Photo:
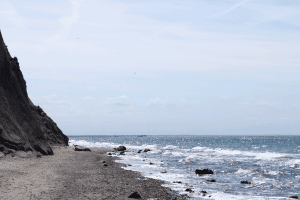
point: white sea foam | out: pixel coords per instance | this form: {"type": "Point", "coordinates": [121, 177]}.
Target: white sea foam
{"type": "Point", "coordinates": [226, 196]}
{"type": "Point", "coordinates": [274, 173]}
{"type": "Point", "coordinates": [167, 152]}
{"type": "Point", "coordinates": [173, 153]}
{"type": "Point", "coordinates": [261, 180]}
{"type": "Point", "coordinates": [293, 162]}
{"type": "Point", "coordinates": [92, 144]}
{"type": "Point", "coordinates": [242, 154]}
{"type": "Point", "coordinates": [170, 147]}
{"type": "Point", "coordinates": [199, 148]}
{"type": "Point", "coordinates": [177, 154]}
{"type": "Point", "coordinates": [243, 172]}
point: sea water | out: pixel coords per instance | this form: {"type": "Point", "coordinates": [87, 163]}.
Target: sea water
{"type": "Point", "coordinates": [270, 163]}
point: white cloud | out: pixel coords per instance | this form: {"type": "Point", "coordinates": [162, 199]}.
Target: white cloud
{"type": "Point", "coordinates": [231, 9]}
{"type": "Point", "coordinates": [252, 118]}
{"type": "Point", "coordinates": [266, 103]}
{"type": "Point", "coordinates": [51, 96]}
{"type": "Point", "coordinates": [284, 118]}
{"type": "Point", "coordinates": [120, 97]}
{"type": "Point", "coordinates": [88, 98]}
{"type": "Point", "coordinates": [170, 102]}
{"type": "Point", "coordinates": [155, 101]}
{"type": "Point", "coordinates": [246, 103]}
{"type": "Point", "coordinates": [58, 107]}
{"type": "Point", "coordinates": [112, 29]}
{"type": "Point", "coordinates": [48, 8]}
{"type": "Point", "coordinates": [67, 23]}
{"type": "Point", "coordinates": [8, 14]}
{"type": "Point", "coordinates": [158, 102]}
{"type": "Point", "coordinates": [226, 97]}
{"type": "Point", "coordinates": [274, 12]}
{"type": "Point", "coordinates": [119, 101]}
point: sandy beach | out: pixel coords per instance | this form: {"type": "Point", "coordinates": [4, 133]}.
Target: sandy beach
{"type": "Point", "coordinates": [70, 174]}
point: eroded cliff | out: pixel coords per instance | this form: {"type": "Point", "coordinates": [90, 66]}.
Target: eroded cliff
{"type": "Point", "coordinates": [23, 126]}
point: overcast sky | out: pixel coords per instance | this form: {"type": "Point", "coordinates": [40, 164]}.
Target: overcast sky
{"type": "Point", "coordinates": [160, 67]}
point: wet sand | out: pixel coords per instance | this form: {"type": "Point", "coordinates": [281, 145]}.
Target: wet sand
{"type": "Point", "coordinates": [70, 174]}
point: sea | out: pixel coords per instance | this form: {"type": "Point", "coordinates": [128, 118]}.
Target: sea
{"type": "Point", "coordinates": [270, 163]}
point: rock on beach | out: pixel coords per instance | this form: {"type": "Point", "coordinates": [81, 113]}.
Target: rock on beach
{"type": "Point", "coordinates": [211, 180]}
{"type": "Point", "coordinates": [293, 197]}
{"type": "Point", "coordinates": [245, 182]}
{"type": "Point", "coordinates": [135, 195]}
{"type": "Point", "coordinates": [120, 148]}
{"type": "Point", "coordinates": [203, 171]}
{"type": "Point", "coordinates": [81, 148]}
{"type": "Point", "coordinates": [189, 190]}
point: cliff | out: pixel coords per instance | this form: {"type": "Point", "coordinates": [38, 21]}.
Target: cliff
{"type": "Point", "coordinates": [23, 126]}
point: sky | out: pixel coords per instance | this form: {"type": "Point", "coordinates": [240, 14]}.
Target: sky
{"type": "Point", "coordinates": [197, 67]}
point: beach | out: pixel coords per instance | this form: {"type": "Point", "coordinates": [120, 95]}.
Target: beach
{"type": "Point", "coordinates": [70, 174]}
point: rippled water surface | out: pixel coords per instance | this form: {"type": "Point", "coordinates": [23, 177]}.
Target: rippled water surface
{"type": "Point", "coordinates": [270, 163]}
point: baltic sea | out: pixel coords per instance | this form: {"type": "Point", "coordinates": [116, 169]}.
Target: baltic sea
{"type": "Point", "coordinates": [270, 163]}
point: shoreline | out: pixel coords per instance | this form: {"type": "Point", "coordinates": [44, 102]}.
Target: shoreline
{"type": "Point", "coordinates": [70, 174]}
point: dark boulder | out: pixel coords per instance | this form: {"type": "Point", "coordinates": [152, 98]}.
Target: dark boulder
{"type": "Point", "coordinates": [122, 153]}
{"type": "Point", "coordinates": [293, 197]}
{"type": "Point", "coordinates": [203, 191]}
{"type": "Point", "coordinates": [203, 171]}
{"type": "Point", "coordinates": [211, 180]}
{"type": "Point", "coordinates": [135, 195]}
{"type": "Point", "coordinates": [104, 165]}
{"type": "Point", "coordinates": [23, 126]}
{"type": "Point", "coordinates": [189, 190]}
{"type": "Point", "coordinates": [121, 148]}
{"type": "Point", "coordinates": [245, 182]}
{"type": "Point", "coordinates": [146, 150]}
{"type": "Point", "coordinates": [81, 148]}
{"type": "Point", "coordinates": [139, 151]}
{"type": "Point", "coordinates": [177, 182]}
{"type": "Point", "coordinates": [151, 163]}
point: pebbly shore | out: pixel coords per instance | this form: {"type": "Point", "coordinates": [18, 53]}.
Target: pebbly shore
{"type": "Point", "coordinates": [70, 174]}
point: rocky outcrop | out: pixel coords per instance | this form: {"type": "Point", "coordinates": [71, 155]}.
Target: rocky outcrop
{"type": "Point", "coordinates": [23, 126]}
{"type": "Point", "coordinates": [189, 190]}
{"type": "Point", "coordinates": [245, 182]}
{"type": "Point", "coordinates": [211, 180]}
{"type": "Point", "coordinates": [81, 148]}
{"type": "Point", "coordinates": [204, 171]}
{"type": "Point", "coordinates": [120, 148]}
{"type": "Point", "coordinates": [177, 182]}
{"type": "Point", "coordinates": [135, 195]}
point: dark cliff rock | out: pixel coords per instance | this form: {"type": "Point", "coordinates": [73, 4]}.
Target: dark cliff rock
{"type": "Point", "coordinates": [23, 126]}
{"type": "Point", "coordinates": [204, 171]}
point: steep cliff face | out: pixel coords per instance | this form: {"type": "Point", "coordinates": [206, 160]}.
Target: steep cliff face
{"type": "Point", "coordinates": [23, 126]}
